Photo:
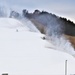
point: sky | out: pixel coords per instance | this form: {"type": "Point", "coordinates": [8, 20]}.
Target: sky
{"type": "Point", "coordinates": [64, 8]}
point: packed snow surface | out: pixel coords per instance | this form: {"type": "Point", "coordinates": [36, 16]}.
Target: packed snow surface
{"type": "Point", "coordinates": [23, 52]}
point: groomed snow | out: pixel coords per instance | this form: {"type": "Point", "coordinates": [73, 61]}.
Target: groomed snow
{"type": "Point", "coordinates": [11, 23]}
{"type": "Point", "coordinates": [25, 53]}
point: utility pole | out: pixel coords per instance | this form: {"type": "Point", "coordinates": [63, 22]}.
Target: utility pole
{"type": "Point", "coordinates": [65, 67]}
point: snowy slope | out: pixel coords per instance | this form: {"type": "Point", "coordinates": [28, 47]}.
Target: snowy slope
{"type": "Point", "coordinates": [25, 53]}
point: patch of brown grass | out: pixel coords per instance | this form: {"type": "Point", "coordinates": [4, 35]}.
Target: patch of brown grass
{"type": "Point", "coordinates": [71, 39]}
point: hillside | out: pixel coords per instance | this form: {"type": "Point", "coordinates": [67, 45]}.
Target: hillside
{"type": "Point", "coordinates": [25, 53]}
{"type": "Point", "coordinates": [55, 24]}
{"type": "Point", "coordinates": [52, 25]}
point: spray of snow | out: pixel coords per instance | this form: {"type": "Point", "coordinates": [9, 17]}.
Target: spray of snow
{"type": "Point", "coordinates": [29, 25]}
{"type": "Point", "coordinates": [4, 10]}
{"type": "Point", "coordinates": [54, 33]}
{"type": "Point", "coordinates": [59, 41]}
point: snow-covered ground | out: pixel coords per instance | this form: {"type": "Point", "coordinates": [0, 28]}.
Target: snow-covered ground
{"type": "Point", "coordinates": [25, 53]}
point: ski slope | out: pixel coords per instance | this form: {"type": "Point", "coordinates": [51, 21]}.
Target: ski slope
{"type": "Point", "coordinates": [23, 52]}
{"type": "Point", "coordinates": [11, 23]}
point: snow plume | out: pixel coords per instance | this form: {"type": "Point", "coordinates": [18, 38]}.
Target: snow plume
{"type": "Point", "coordinates": [7, 12]}
{"type": "Point", "coordinates": [4, 10]}
{"type": "Point", "coordinates": [54, 28]}
{"type": "Point", "coordinates": [24, 20]}
{"type": "Point", "coordinates": [61, 43]}
{"type": "Point", "coordinates": [54, 33]}
{"type": "Point", "coordinates": [29, 24]}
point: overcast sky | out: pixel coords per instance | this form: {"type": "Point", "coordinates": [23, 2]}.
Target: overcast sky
{"type": "Point", "coordinates": [64, 8]}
